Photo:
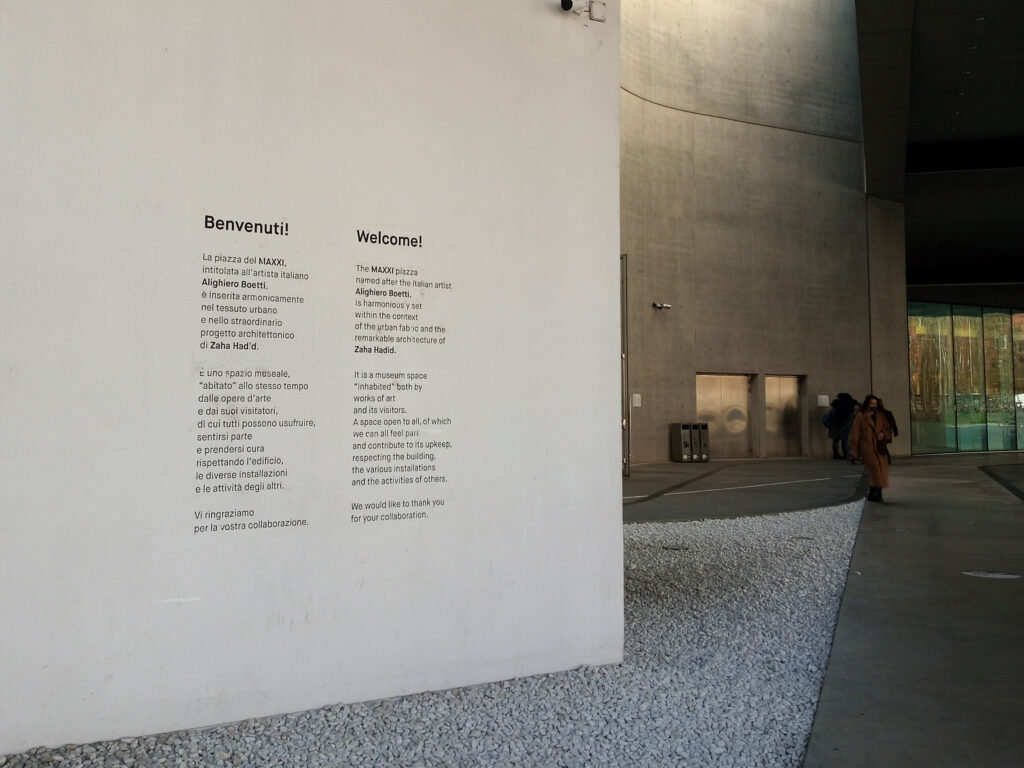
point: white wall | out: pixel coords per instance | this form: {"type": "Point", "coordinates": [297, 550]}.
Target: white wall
{"type": "Point", "coordinates": [488, 130]}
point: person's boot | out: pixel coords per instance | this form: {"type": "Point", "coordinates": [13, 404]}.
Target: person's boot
{"type": "Point", "coordinates": [874, 494]}
{"type": "Point", "coordinates": [878, 496]}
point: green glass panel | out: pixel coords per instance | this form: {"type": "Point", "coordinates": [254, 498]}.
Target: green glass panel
{"type": "Point", "coordinates": [999, 405]}
{"type": "Point", "coordinates": [1018, 374]}
{"type": "Point", "coordinates": [969, 378]}
{"type": "Point", "coordinates": [932, 416]}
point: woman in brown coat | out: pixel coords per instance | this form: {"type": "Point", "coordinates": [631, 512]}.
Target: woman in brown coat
{"type": "Point", "coordinates": [869, 437]}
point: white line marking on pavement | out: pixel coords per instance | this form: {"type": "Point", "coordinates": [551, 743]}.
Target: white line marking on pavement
{"type": "Point", "coordinates": [738, 487]}
{"type": "Point", "coordinates": [743, 487]}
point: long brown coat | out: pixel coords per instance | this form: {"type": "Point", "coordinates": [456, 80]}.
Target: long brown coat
{"type": "Point", "coordinates": [869, 437]}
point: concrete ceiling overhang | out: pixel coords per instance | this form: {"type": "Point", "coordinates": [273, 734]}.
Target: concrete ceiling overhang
{"type": "Point", "coordinates": [942, 89]}
{"type": "Point", "coordinates": [884, 36]}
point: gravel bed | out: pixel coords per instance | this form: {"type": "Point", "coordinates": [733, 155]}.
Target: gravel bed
{"type": "Point", "coordinates": [729, 624]}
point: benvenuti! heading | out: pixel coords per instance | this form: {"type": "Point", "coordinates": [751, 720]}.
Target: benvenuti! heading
{"type": "Point", "coordinates": [256, 227]}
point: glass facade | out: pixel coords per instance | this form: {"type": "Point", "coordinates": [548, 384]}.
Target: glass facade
{"type": "Point", "coordinates": [932, 415]}
{"type": "Point", "coordinates": [1018, 374]}
{"type": "Point", "coordinates": [999, 390]}
{"type": "Point", "coordinates": [966, 378]}
{"type": "Point", "coordinates": [969, 378]}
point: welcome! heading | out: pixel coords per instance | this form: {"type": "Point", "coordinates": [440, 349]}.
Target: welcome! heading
{"type": "Point", "coordinates": [379, 238]}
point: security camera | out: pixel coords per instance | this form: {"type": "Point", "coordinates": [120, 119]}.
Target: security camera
{"type": "Point", "coordinates": [566, 5]}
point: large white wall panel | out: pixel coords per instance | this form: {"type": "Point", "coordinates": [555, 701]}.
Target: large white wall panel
{"type": "Point", "coordinates": [135, 137]}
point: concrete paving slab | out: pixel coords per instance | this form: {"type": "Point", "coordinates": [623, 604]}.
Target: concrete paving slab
{"type": "Point", "coordinates": [927, 666]}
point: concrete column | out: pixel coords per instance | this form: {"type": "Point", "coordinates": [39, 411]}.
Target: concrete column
{"type": "Point", "coordinates": [890, 372]}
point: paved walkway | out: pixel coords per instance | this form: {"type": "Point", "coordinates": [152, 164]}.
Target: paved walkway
{"type": "Point", "coordinates": [927, 666]}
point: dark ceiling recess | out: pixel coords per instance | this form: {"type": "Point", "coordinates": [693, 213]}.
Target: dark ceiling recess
{"type": "Point", "coordinates": [943, 98]}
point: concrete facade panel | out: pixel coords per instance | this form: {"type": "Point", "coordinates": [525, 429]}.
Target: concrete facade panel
{"type": "Point", "coordinates": [657, 236]}
{"type": "Point", "coordinates": [779, 230]}
{"type": "Point", "coordinates": [779, 63]}
{"type": "Point", "coordinates": [743, 206]}
{"type": "Point", "coordinates": [757, 238]}
{"type": "Point", "coordinates": [657, 56]}
{"type": "Point", "coordinates": [779, 247]}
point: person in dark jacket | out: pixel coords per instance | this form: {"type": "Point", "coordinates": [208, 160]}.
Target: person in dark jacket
{"type": "Point", "coordinates": [834, 431]}
{"type": "Point", "coordinates": [841, 421]}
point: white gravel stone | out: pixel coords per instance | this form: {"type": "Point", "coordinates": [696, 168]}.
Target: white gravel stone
{"type": "Point", "coordinates": [729, 625]}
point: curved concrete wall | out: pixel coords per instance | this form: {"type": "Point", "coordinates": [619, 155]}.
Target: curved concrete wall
{"type": "Point", "coordinates": [789, 65]}
{"type": "Point", "coordinates": [742, 206]}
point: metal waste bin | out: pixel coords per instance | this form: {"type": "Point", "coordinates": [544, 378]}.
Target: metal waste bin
{"type": "Point", "coordinates": [681, 446]}
{"type": "Point", "coordinates": [701, 449]}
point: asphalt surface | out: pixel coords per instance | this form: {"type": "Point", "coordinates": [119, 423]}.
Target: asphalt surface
{"type": "Point", "coordinates": [736, 488]}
